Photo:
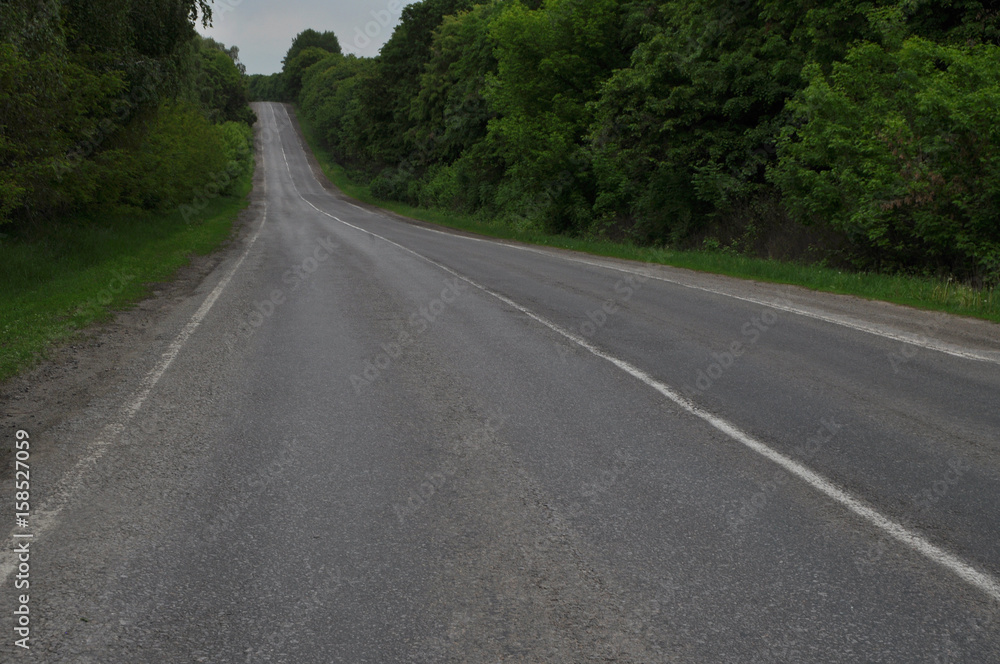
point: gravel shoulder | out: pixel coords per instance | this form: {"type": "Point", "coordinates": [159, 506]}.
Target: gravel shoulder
{"type": "Point", "coordinates": [92, 366]}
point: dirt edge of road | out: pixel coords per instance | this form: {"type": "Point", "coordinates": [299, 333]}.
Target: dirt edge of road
{"type": "Point", "coordinates": [86, 366]}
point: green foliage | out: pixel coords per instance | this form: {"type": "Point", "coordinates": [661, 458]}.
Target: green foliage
{"type": "Point", "coordinates": [450, 112]}
{"type": "Point", "coordinates": [296, 68]}
{"type": "Point", "coordinates": [387, 94]}
{"type": "Point", "coordinates": [218, 85]}
{"type": "Point", "coordinates": [660, 121]}
{"type": "Point", "coordinates": [308, 48]}
{"type": "Point", "coordinates": [94, 97]}
{"type": "Point", "coordinates": [450, 116]}
{"type": "Point", "coordinates": [266, 87]}
{"type": "Point", "coordinates": [181, 152]}
{"type": "Point", "coordinates": [50, 122]}
{"type": "Point", "coordinates": [552, 61]}
{"type": "Point", "coordinates": [900, 150]}
{"type": "Point", "coordinates": [330, 99]}
{"type": "Point", "coordinates": [32, 25]}
{"type": "Point", "coordinates": [306, 39]}
{"type": "Point", "coordinates": [237, 139]}
{"type": "Point", "coordinates": [953, 21]}
{"type": "Point", "coordinates": [685, 132]}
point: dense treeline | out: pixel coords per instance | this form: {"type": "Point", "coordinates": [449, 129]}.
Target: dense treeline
{"type": "Point", "coordinates": [115, 103]}
{"type": "Point", "coordinates": [854, 132]}
{"type": "Point", "coordinates": [308, 48]}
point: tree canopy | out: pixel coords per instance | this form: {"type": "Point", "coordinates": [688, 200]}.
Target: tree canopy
{"type": "Point", "coordinates": [312, 39]}
{"type": "Point", "coordinates": [113, 103]}
{"type": "Point", "coordinates": [854, 132]}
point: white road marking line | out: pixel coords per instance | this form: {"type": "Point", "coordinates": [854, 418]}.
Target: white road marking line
{"type": "Point", "coordinates": [845, 321]}
{"type": "Point", "coordinates": [912, 540]}
{"type": "Point", "coordinates": [921, 341]}
{"type": "Point", "coordinates": [288, 168]}
{"type": "Point", "coordinates": [44, 518]}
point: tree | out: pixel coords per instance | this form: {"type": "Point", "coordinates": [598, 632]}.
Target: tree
{"type": "Point", "coordinates": [217, 84]}
{"type": "Point", "coordinates": [330, 102]}
{"type": "Point", "coordinates": [297, 66]}
{"type": "Point", "coordinates": [900, 150]}
{"type": "Point", "coordinates": [266, 87]}
{"type": "Point", "coordinates": [389, 93]}
{"type": "Point", "coordinates": [311, 39]}
{"type": "Point", "coordinates": [450, 111]}
{"type": "Point", "coordinates": [450, 115]}
{"type": "Point", "coordinates": [83, 88]}
{"type": "Point", "coordinates": [551, 63]}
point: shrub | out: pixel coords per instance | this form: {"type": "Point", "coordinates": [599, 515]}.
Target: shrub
{"type": "Point", "coordinates": [238, 141]}
{"type": "Point", "coordinates": [900, 149]}
{"type": "Point", "coordinates": [182, 155]}
{"type": "Point", "coordinates": [394, 184]}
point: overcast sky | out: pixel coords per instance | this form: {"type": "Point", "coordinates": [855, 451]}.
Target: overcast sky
{"type": "Point", "coordinates": [264, 29]}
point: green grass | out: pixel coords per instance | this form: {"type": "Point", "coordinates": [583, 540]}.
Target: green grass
{"type": "Point", "coordinates": [82, 269]}
{"type": "Point", "coordinates": [918, 292]}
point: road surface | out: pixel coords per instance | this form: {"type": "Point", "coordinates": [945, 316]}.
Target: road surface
{"type": "Point", "coordinates": [366, 440]}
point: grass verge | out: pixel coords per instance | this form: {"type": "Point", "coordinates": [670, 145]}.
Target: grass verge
{"type": "Point", "coordinates": [82, 269]}
{"type": "Point", "coordinates": [918, 292]}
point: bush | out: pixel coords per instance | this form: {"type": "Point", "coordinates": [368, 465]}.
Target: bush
{"type": "Point", "coordinates": [442, 188]}
{"type": "Point", "coordinates": [238, 141]}
{"type": "Point", "coordinates": [182, 156]}
{"type": "Point", "coordinates": [395, 184]}
{"type": "Point", "coordinates": [900, 149]}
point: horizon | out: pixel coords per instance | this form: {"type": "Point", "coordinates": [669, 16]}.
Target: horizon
{"type": "Point", "coordinates": [263, 32]}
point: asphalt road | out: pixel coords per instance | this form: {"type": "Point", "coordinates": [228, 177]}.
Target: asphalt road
{"type": "Point", "coordinates": [365, 440]}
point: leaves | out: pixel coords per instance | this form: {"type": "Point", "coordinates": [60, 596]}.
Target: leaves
{"type": "Point", "coordinates": [900, 149]}
{"type": "Point", "coordinates": [665, 121]}
{"type": "Point", "coordinates": [86, 89]}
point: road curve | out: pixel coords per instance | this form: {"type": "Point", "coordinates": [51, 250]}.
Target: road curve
{"type": "Point", "coordinates": [367, 440]}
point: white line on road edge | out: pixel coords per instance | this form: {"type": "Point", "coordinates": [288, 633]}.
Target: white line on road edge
{"type": "Point", "coordinates": [844, 321]}
{"type": "Point", "coordinates": [914, 541]}
{"type": "Point", "coordinates": [45, 518]}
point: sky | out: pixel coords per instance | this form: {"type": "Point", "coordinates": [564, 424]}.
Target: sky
{"type": "Point", "coordinates": [264, 29]}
